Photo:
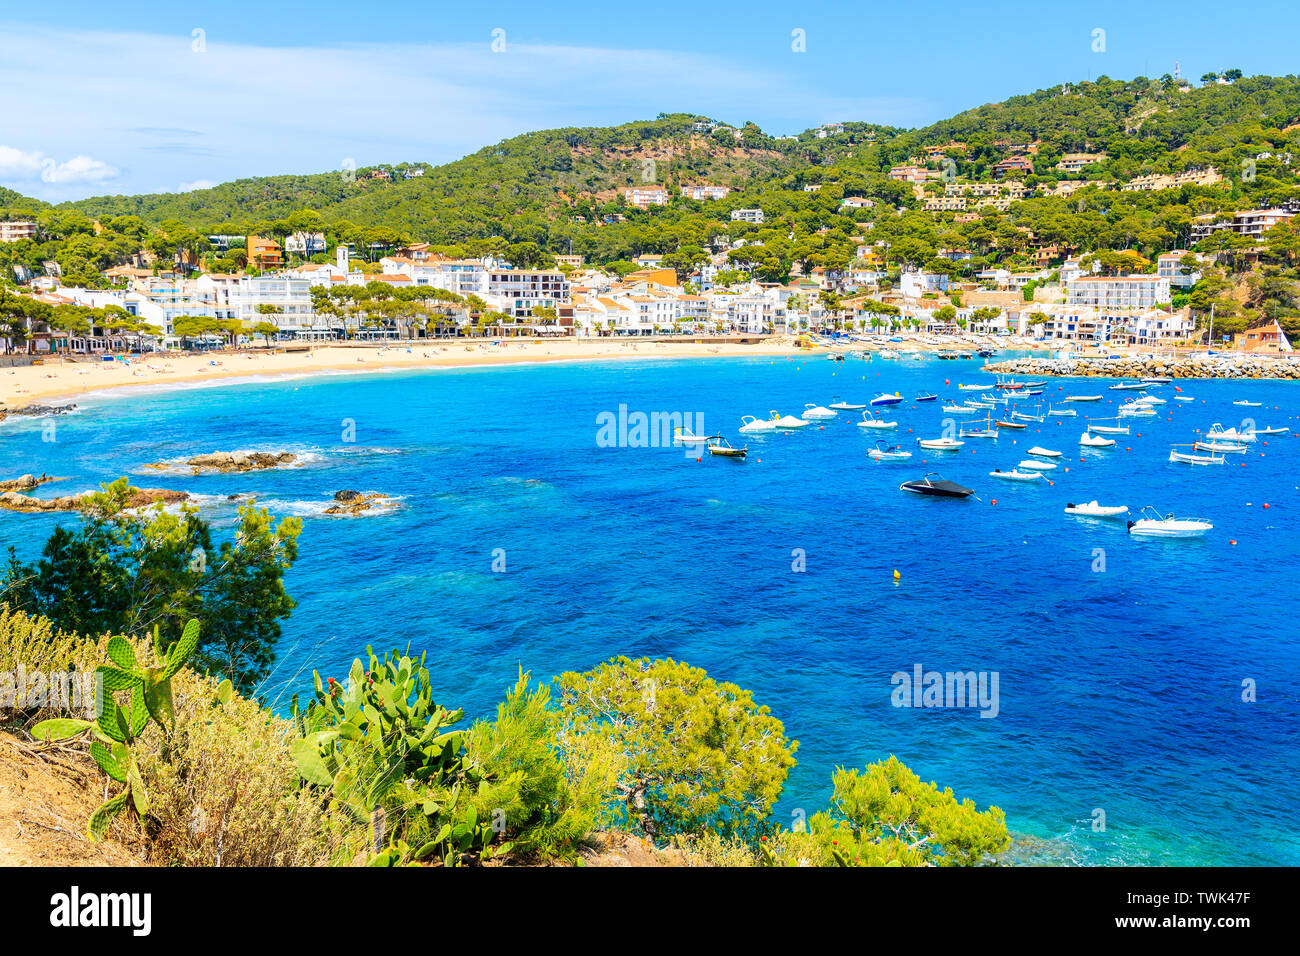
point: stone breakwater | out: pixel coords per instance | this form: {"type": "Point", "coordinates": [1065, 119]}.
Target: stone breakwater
{"type": "Point", "coordinates": [1200, 366]}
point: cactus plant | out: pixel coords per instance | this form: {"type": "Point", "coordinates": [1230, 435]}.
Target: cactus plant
{"type": "Point", "coordinates": [115, 732]}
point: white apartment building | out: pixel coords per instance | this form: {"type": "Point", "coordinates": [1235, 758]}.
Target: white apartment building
{"type": "Point", "coordinates": [1170, 265]}
{"type": "Point", "coordinates": [913, 285]}
{"type": "Point", "coordinates": [747, 215]}
{"type": "Point", "coordinates": [1075, 324]}
{"type": "Point", "coordinates": [645, 196]}
{"type": "Point", "coordinates": [1251, 222]}
{"type": "Point", "coordinates": [13, 231]}
{"type": "Point", "coordinates": [702, 193]}
{"type": "Point", "coordinates": [462, 276]}
{"type": "Point", "coordinates": [305, 243]}
{"type": "Point", "coordinates": [1118, 292]}
{"type": "Point", "coordinates": [521, 290]}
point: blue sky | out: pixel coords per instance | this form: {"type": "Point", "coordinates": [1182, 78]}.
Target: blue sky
{"type": "Point", "coordinates": [102, 98]}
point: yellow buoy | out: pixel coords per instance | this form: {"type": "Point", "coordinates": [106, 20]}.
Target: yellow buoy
{"type": "Point", "coordinates": [897, 576]}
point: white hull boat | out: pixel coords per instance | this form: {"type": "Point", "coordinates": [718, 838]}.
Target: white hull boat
{"type": "Point", "coordinates": [1095, 441]}
{"type": "Point", "coordinates": [1015, 475]}
{"type": "Point", "coordinates": [817, 413]}
{"type": "Point", "coordinates": [1222, 447]}
{"type": "Point", "coordinates": [940, 444]}
{"type": "Point", "coordinates": [1245, 404]}
{"type": "Point", "coordinates": [1082, 398]}
{"type": "Point", "coordinates": [1183, 398]}
{"type": "Point", "coordinates": [845, 406]}
{"type": "Point", "coordinates": [1094, 510]}
{"type": "Point", "coordinates": [1155, 525]}
{"type": "Point", "coordinates": [1218, 433]}
{"type": "Point", "coordinates": [1109, 429]}
{"type": "Point", "coordinates": [1044, 452]}
{"type": "Point", "coordinates": [885, 452]}
{"type": "Point", "coordinates": [1030, 464]}
{"type": "Point", "coordinates": [1183, 458]}
{"type": "Point", "coordinates": [871, 421]}
{"type": "Point", "coordinates": [960, 410]}
{"type": "Point", "coordinates": [682, 437]}
{"type": "Point", "coordinates": [788, 421]}
{"type": "Point", "coordinates": [886, 400]}
{"type": "Point", "coordinates": [1062, 413]}
{"type": "Point", "coordinates": [1268, 431]}
{"type": "Point", "coordinates": [750, 425]}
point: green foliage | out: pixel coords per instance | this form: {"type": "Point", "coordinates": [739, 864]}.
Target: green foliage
{"type": "Point", "coordinates": [126, 570]}
{"type": "Point", "coordinates": [699, 754]}
{"type": "Point", "coordinates": [118, 729]}
{"type": "Point", "coordinates": [886, 816]}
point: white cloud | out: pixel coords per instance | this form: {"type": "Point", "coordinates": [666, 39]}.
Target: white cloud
{"type": "Point", "coordinates": [197, 184]}
{"type": "Point", "coordinates": [18, 165]}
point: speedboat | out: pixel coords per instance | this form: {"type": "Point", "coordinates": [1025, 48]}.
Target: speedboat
{"type": "Point", "coordinates": [1218, 433]}
{"type": "Point", "coordinates": [1183, 458]}
{"type": "Point", "coordinates": [974, 388]}
{"type": "Point", "coordinates": [1246, 404]}
{"type": "Point", "coordinates": [1015, 475]}
{"type": "Point", "coordinates": [1044, 452]}
{"type": "Point", "coordinates": [960, 409]}
{"type": "Point", "coordinates": [1157, 379]}
{"type": "Point", "coordinates": [1094, 510]}
{"type": "Point", "coordinates": [1033, 464]}
{"type": "Point", "coordinates": [887, 452]}
{"type": "Point", "coordinates": [750, 425]}
{"type": "Point", "coordinates": [788, 421]}
{"type": "Point", "coordinates": [1082, 398]}
{"type": "Point", "coordinates": [1222, 447]}
{"type": "Point", "coordinates": [840, 406]}
{"type": "Point", "coordinates": [886, 399]}
{"type": "Point", "coordinates": [1095, 441]}
{"type": "Point", "coordinates": [1149, 400]}
{"type": "Point", "coordinates": [1154, 524]}
{"type": "Point", "coordinates": [817, 412]}
{"type": "Point", "coordinates": [682, 436]}
{"type": "Point", "coordinates": [1183, 398]}
{"type": "Point", "coordinates": [1135, 410]}
{"type": "Point", "coordinates": [936, 486]}
{"type": "Point", "coordinates": [926, 397]}
{"type": "Point", "coordinates": [871, 421]}
{"type": "Point", "coordinates": [940, 444]}
{"type": "Point", "coordinates": [1129, 387]}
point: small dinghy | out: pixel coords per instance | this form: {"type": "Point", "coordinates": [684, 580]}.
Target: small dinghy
{"type": "Point", "coordinates": [1150, 400]}
{"type": "Point", "coordinates": [937, 486]}
{"type": "Point", "coordinates": [1268, 431]}
{"type": "Point", "coordinates": [749, 425]}
{"type": "Point", "coordinates": [887, 452]}
{"type": "Point", "coordinates": [1082, 398]}
{"type": "Point", "coordinates": [1033, 464]}
{"type": "Point", "coordinates": [841, 406]}
{"type": "Point", "coordinates": [1019, 426]}
{"type": "Point", "coordinates": [1183, 458]}
{"type": "Point", "coordinates": [1154, 524]}
{"type": "Point", "coordinates": [987, 431]}
{"type": "Point", "coordinates": [817, 412]}
{"type": "Point", "coordinates": [722, 448]}
{"type": "Point", "coordinates": [1095, 441]}
{"type": "Point", "coordinates": [871, 421]}
{"type": "Point", "coordinates": [682, 436]}
{"type": "Point", "coordinates": [885, 399]}
{"type": "Point", "coordinates": [974, 388]}
{"type": "Point", "coordinates": [1245, 404]}
{"type": "Point", "coordinates": [1129, 387]}
{"type": "Point", "coordinates": [1157, 379]}
{"type": "Point", "coordinates": [1221, 447]}
{"type": "Point", "coordinates": [1015, 475]}
{"type": "Point", "coordinates": [1183, 398]}
{"type": "Point", "coordinates": [926, 397]}
{"type": "Point", "coordinates": [1107, 429]}
{"type": "Point", "coordinates": [1044, 452]}
{"type": "Point", "coordinates": [960, 409]}
{"type": "Point", "coordinates": [940, 444]}
{"type": "Point", "coordinates": [1094, 510]}
{"type": "Point", "coordinates": [1062, 412]}
{"type": "Point", "coordinates": [787, 421]}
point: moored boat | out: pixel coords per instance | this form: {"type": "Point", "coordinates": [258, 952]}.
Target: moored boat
{"type": "Point", "coordinates": [887, 452]}
{"type": "Point", "coordinates": [722, 448]}
{"type": "Point", "coordinates": [940, 444]}
{"type": "Point", "coordinates": [1015, 475]}
{"type": "Point", "coordinates": [1154, 524]}
{"type": "Point", "coordinates": [1185, 458]}
{"type": "Point", "coordinates": [936, 486]}
{"type": "Point", "coordinates": [1094, 510]}
{"type": "Point", "coordinates": [871, 421]}
{"type": "Point", "coordinates": [1095, 441]}
{"type": "Point", "coordinates": [886, 399]}
{"type": "Point", "coordinates": [750, 425]}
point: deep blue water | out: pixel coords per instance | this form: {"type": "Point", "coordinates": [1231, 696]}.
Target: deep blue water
{"type": "Point", "coordinates": [1120, 690]}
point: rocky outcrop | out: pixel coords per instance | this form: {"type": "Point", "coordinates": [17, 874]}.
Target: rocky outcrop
{"type": "Point", "coordinates": [36, 410]}
{"type": "Point", "coordinates": [1199, 366]}
{"type": "Point", "coordinates": [356, 503]}
{"type": "Point", "coordinates": [25, 482]}
{"type": "Point", "coordinates": [137, 498]}
{"type": "Point", "coordinates": [229, 462]}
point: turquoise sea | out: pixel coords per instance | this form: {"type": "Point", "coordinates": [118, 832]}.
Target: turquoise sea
{"type": "Point", "coordinates": [1120, 661]}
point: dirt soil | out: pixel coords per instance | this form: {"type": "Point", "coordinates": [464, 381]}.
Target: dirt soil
{"type": "Point", "coordinates": [46, 797]}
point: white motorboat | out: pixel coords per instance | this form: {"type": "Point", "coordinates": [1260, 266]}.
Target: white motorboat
{"type": "Point", "coordinates": [1183, 398]}
{"type": "Point", "coordinates": [871, 421]}
{"type": "Point", "coordinates": [1245, 404]}
{"type": "Point", "coordinates": [1268, 431]}
{"type": "Point", "coordinates": [1095, 441]}
{"type": "Point", "coordinates": [817, 412]}
{"type": "Point", "coordinates": [1107, 429]}
{"type": "Point", "coordinates": [1134, 410]}
{"type": "Point", "coordinates": [1033, 464]}
{"type": "Point", "coordinates": [749, 425]}
{"type": "Point", "coordinates": [1150, 400]}
{"type": "Point", "coordinates": [886, 399]}
{"type": "Point", "coordinates": [1082, 398]}
{"type": "Point", "coordinates": [1232, 435]}
{"type": "Point", "coordinates": [841, 406]}
{"type": "Point", "coordinates": [1044, 452]}
{"type": "Point", "coordinates": [1015, 475]}
{"type": "Point", "coordinates": [1154, 524]}
{"type": "Point", "coordinates": [1094, 510]}
{"type": "Point", "coordinates": [788, 421]}
{"type": "Point", "coordinates": [940, 444]}
{"type": "Point", "coordinates": [974, 388]}
{"type": "Point", "coordinates": [1157, 379]}
{"type": "Point", "coordinates": [1130, 387]}
{"type": "Point", "coordinates": [1222, 447]}
{"type": "Point", "coordinates": [682, 436]}
{"type": "Point", "coordinates": [960, 409]}
{"type": "Point", "coordinates": [886, 452]}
